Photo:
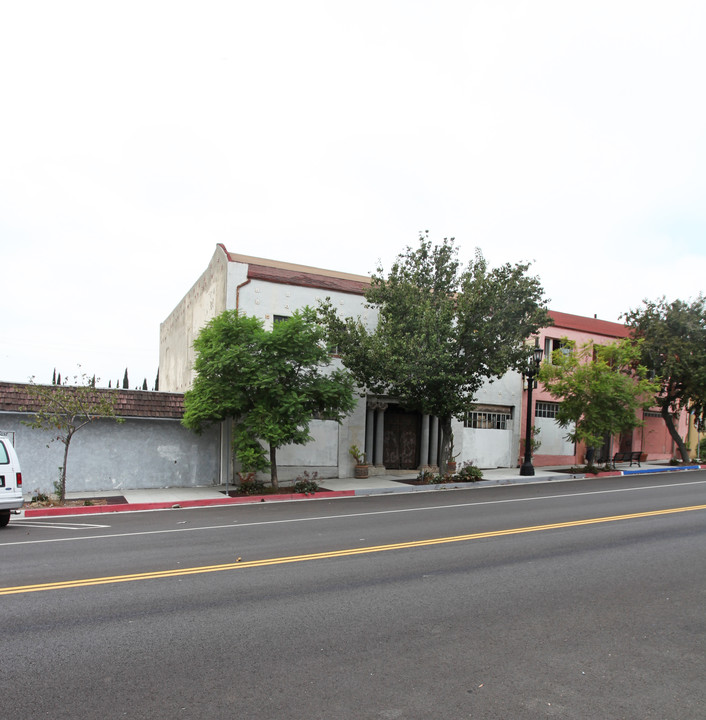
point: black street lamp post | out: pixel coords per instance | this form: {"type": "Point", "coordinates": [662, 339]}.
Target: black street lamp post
{"type": "Point", "coordinates": [527, 467]}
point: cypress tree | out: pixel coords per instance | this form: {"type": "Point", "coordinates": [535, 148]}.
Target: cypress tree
{"type": "Point", "coordinates": [126, 382]}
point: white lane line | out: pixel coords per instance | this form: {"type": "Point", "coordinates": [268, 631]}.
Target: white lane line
{"type": "Point", "coordinates": [237, 525]}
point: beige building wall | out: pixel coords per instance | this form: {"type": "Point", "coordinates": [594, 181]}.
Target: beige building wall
{"type": "Point", "coordinates": [206, 299]}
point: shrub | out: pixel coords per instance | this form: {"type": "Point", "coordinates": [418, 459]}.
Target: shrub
{"type": "Point", "coordinates": [469, 473]}
{"type": "Point", "coordinates": [306, 483]}
{"type": "Point", "coordinates": [250, 485]}
{"type": "Point", "coordinates": [427, 477]}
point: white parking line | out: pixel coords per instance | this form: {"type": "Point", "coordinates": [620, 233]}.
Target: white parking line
{"type": "Point", "coordinates": [57, 525]}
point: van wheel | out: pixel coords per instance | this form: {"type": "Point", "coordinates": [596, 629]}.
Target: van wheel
{"type": "Point", "coordinates": [4, 518]}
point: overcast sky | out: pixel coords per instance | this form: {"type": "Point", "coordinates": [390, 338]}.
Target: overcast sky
{"type": "Point", "coordinates": [135, 136]}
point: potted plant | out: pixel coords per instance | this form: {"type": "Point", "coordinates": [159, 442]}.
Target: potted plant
{"type": "Point", "coordinates": [361, 466]}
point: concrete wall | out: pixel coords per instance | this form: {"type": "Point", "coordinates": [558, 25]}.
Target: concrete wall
{"type": "Point", "coordinates": [105, 455]}
{"type": "Point", "coordinates": [264, 300]}
{"type": "Point", "coordinates": [327, 454]}
{"type": "Point", "coordinates": [553, 438]}
{"type": "Point", "coordinates": [206, 299]}
{"type": "Point", "coordinates": [493, 448]}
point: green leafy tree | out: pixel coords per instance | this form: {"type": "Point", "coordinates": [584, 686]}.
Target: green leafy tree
{"type": "Point", "coordinates": [442, 330]}
{"type": "Point", "coordinates": [271, 384]}
{"type": "Point", "coordinates": [65, 409]}
{"type": "Point", "coordinates": [674, 350]}
{"type": "Point", "coordinates": [601, 388]}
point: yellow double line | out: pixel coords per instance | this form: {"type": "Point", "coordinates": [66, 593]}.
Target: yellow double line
{"type": "Point", "coordinates": [180, 572]}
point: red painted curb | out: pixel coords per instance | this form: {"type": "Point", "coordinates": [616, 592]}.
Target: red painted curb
{"type": "Point", "coordinates": [134, 507]}
{"type": "Point", "coordinates": [607, 473]}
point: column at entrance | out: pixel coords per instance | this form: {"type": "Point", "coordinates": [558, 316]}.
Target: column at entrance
{"type": "Point", "coordinates": [424, 444]}
{"type": "Point", "coordinates": [434, 442]}
{"type": "Point", "coordinates": [369, 433]}
{"type": "Point", "coordinates": [379, 432]}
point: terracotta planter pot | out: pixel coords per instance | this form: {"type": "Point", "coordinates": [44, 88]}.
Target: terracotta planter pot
{"type": "Point", "coordinates": [451, 466]}
{"type": "Point", "coordinates": [361, 471]}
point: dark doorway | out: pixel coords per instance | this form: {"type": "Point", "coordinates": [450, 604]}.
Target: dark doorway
{"type": "Point", "coordinates": [401, 439]}
{"type": "Point", "coordinates": [626, 441]}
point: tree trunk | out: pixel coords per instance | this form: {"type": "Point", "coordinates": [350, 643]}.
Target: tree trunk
{"type": "Point", "coordinates": [62, 476]}
{"type": "Point", "coordinates": [669, 422]}
{"type": "Point", "coordinates": [273, 467]}
{"type": "Point", "coordinates": [444, 455]}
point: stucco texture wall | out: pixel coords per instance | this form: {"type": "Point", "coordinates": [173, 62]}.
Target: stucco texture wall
{"type": "Point", "coordinates": [105, 455]}
{"type": "Point", "coordinates": [493, 448]}
{"type": "Point", "coordinates": [205, 300]}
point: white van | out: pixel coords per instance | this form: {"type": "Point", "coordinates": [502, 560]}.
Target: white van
{"type": "Point", "coordinates": [10, 481]}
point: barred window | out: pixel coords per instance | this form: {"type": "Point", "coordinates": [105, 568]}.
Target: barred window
{"type": "Point", "coordinates": [279, 318]}
{"type": "Point", "coordinates": [489, 417]}
{"type": "Point", "coordinates": [651, 414]}
{"type": "Point", "coordinates": [546, 409]}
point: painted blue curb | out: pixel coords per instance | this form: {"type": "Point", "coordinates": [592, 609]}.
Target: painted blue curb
{"type": "Point", "coordinates": [661, 470]}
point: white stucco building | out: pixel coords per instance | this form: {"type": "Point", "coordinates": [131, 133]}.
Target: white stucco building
{"type": "Point", "coordinates": [394, 439]}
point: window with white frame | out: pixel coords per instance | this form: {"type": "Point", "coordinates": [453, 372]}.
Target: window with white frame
{"type": "Point", "coordinates": [546, 409]}
{"type": "Point", "coordinates": [489, 417]}
{"type": "Point", "coordinates": [552, 344]}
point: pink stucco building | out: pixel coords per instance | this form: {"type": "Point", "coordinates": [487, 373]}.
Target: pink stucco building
{"type": "Point", "coordinates": [652, 438]}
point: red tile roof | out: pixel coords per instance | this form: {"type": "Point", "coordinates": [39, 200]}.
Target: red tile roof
{"type": "Point", "coordinates": [589, 325]}
{"type": "Point", "coordinates": [16, 397]}
{"type": "Point", "coordinates": [307, 276]}
{"type": "Point", "coordinates": [307, 279]}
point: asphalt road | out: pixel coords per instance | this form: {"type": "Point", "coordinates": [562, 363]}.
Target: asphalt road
{"type": "Point", "coordinates": [569, 600]}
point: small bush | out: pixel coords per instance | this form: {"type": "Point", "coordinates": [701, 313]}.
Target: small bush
{"type": "Point", "coordinates": [589, 469]}
{"type": "Point", "coordinates": [427, 477]}
{"type": "Point", "coordinates": [469, 473]}
{"type": "Point", "coordinates": [40, 497]}
{"type": "Point", "coordinates": [250, 485]}
{"type": "Point", "coordinates": [306, 483]}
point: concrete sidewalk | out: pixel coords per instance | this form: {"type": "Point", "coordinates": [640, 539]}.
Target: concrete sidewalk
{"type": "Point", "coordinates": [166, 498]}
